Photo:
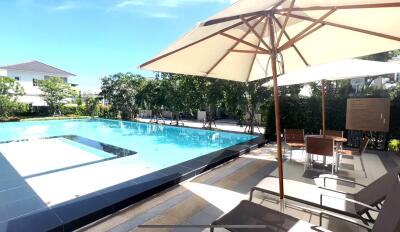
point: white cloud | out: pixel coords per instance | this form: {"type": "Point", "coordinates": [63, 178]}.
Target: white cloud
{"type": "Point", "coordinates": [131, 3]}
{"type": "Point", "coordinates": [63, 7]}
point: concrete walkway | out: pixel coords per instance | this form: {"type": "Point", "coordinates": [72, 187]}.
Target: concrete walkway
{"type": "Point", "coordinates": [223, 124]}
{"type": "Point", "coordinates": [208, 196]}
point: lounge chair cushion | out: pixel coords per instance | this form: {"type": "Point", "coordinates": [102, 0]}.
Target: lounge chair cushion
{"type": "Point", "coordinates": [249, 213]}
{"type": "Point", "coordinates": [308, 194]}
{"type": "Point", "coordinates": [389, 217]}
{"type": "Point", "coordinates": [376, 192]}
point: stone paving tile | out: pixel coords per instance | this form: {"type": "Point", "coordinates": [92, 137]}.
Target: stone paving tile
{"type": "Point", "coordinates": [236, 178]}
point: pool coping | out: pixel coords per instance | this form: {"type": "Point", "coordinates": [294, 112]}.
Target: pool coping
{"type": "Point", "coordinates": [78, 212]}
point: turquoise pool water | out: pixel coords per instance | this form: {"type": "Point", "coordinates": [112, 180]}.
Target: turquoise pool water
{"type": "Point", "coordinates": [158, 146]}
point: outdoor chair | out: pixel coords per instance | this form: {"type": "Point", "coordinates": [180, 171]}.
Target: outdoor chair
{"type": "Point", "coordinates": [294, 139]}
{"type": "Point", "coordinates": [320, 146]}
{"type": "Point", "coordinates": [248, 213]}
{"type": "Point", "coordinates": [357, 205]}
{"type": "Point", "coordinates": [356, 152]}
{"type": "Point", "coordinates": [332, 133]}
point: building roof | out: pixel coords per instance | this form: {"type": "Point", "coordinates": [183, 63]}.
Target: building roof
{"type": "Point", "coordinates": [36, 66]}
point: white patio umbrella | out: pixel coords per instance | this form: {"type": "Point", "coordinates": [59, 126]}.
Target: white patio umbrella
{"type": "Point", "coordinates": [338, 70]}
{"type": "Point", "coordinates": [254, 39]}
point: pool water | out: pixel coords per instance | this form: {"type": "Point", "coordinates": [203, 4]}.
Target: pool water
{"type": "Point", "coordinates": [157, 145]}
{"type": "Point", "coordinates": [76, 157]}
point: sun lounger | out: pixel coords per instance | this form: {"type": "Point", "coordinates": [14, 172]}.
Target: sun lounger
{"type": "Point", "coordinates": [357, 205]}
{"type": "Point", "coordinates": [248, 213]}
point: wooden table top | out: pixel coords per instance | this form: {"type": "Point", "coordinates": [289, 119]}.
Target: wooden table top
{"type": "Point", "coordinates": [336, 138]}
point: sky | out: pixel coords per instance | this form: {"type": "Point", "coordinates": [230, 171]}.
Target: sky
{"type": "Point", "coordinates": [95, 38]}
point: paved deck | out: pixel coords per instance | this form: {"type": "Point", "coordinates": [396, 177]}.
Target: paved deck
{"type": "Point", "coordinates": [223, 124]}
{"type": "Point", "coordinates": [208, 196]}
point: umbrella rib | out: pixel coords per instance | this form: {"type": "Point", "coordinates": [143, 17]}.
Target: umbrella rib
{"type": "Point", "coordinates": [255, 55]}
{"type": "Point", "coordinates": [243, 41]}
{"type": "Point", "coordinates": [301, 37]}
{"type": "Point", "coordinates": [346, 27]}
{"type": "Point", "coordinates": [234, 45]}
{"type": "Point", "coordinates": [288, 38]}
{"type": "Point", "coordinates": [255, 33]}
{"type": "Point", "coordinates": [276, 5]}
{"type": "Point", "coordinates": [195, 42]}
{"type": "Point", "coordinates": [230, 18]}
{"type": "Point", "coordinates": [306, 30]}
{"type": "Point", "coordinates": [342, 7]}
{"type": "Point", "coordinates": [278, 40]}
{"type": "Point", "coordinates": [247, 51]}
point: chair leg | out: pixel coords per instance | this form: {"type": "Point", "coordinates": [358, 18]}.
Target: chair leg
{"type": "Point", "coordinates": [291, 152]}
{"type": "Point", "coordinates": [336, 160]}
{"type": "Point", "coordinates": [363, 167]}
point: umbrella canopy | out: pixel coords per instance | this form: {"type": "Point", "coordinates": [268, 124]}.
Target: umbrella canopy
{"type": "Point", "coordinates": [339, 70]}
{"type": "Point", "coordinates": [254, 39]}
{"type": "Point", "coordinates": [228, 45]}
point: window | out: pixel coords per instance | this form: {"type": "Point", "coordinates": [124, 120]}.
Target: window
{"type": "Point", "coordinates": [16, 78]}
{"type": "Point", "coordinates": [35, 82]}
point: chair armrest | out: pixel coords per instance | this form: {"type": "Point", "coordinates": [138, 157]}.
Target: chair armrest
{"type": "Point", "coordinates": [343, 180]}
{"type": "Point", "coordinates": [337, 191]}
{"type": "Point", "coordinates": [343, 218]}
{"type": "Point", "coordinates": [295, 206]}
{"type": "Point", "coordinates": [349, 200]}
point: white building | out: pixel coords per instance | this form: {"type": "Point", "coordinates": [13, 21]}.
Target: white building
{"type": "Point", "coordinates": [28, 75]}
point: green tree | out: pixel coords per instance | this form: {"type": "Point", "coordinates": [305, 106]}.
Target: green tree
{"type": "Point", "coordinates": [10, 90]}
{"type": "Point", "coordinates": [92, 106]}
{"type": "Point", "coordinates": [153, 96]}
{"type": "Point", "coordinates": [55, 91]}
{"type": "Point", "coordinates": [256, 95]}
{"type": "Point", "coordinates": [213, 95]}
{"type": "Point", "coordinates": [235, 101]}
{"type": "Point", "coordinates": [120, 91]}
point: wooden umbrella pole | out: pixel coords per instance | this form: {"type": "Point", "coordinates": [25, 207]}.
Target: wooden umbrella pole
{"type": "Point", "coordinates": [323, 106]}
{"type": "Point", "coordinates": [277, 109]}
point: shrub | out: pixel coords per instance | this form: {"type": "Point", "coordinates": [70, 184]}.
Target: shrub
{"type": "Point", "coordinates": [69, 110]}
{"type": "Point", "coordinates": [394, 145]}
{"type": "Point", "coordinates": [10, 107]}
{"type": "Point", "coordinates": [92, 106]}
{"type": "Point", "coordinates": [107, 112]}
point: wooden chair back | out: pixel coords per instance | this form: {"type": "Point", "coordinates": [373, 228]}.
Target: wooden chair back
{"type": "Point", "coordinates": [332, 133]}
{"type": "Point", "coordinates": [294, 135]}
{"type": "Point", "coordinates": [320, 146]}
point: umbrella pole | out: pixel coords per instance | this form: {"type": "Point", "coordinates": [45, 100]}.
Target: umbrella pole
{"type": "Point", "coordinates": [323, 106]}
{"type": "Point", "coordinates": [277, 110]}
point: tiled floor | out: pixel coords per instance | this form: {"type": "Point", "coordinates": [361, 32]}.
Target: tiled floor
{"type": "Point", "coordinates": [206, 197]}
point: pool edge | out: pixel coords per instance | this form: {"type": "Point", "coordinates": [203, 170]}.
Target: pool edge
{"type": "Point", "coordinates": [84, 210]}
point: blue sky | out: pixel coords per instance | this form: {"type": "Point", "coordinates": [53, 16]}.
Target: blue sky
{"type": "Point", "coordinates": [94, 38]}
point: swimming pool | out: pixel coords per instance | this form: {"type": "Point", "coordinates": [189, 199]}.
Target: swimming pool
{"type": "Point", "coordinates": [63, 160]}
